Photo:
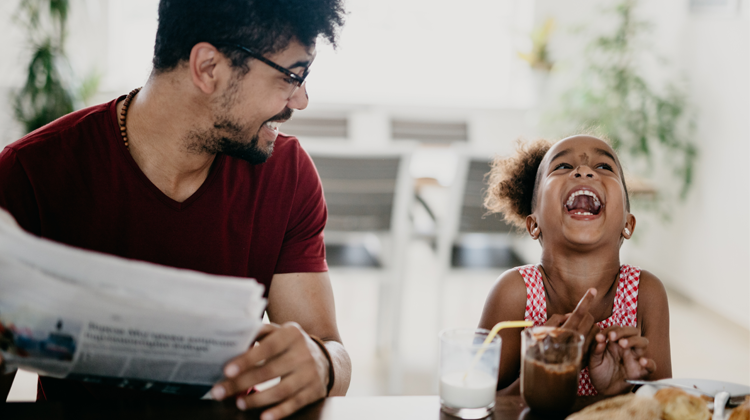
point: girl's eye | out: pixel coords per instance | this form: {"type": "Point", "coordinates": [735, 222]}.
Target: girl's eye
{"type": "Point", "coordinates": [563, 166]}
{"type": "Point", "coordinates": [604, 166]}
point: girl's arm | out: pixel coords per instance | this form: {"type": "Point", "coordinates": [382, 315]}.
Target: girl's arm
{"type": "Point", "coordinates": [507, 302]}
{"type": "Point", "coordinates": [653, 319]}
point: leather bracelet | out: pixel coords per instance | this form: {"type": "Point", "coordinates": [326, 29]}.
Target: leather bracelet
{"type": "Point", "coordinates": [324, 349]}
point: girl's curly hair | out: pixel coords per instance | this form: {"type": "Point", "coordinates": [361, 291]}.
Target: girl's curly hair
{"type": "Point", "coordinates": [512, 181]}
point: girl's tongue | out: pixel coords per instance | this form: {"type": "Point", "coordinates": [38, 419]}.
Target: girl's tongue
{"type": "Point", "coordinates": [583, 204]}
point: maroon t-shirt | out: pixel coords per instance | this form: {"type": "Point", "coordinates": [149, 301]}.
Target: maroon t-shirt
{"type": "Point", "coordinates": [73, 181]}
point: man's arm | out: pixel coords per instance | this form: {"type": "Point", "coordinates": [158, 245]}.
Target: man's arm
{"type": "Point", "coordinates": [299, 305]}
{"type": "Point", "coordinates": [307, 299]}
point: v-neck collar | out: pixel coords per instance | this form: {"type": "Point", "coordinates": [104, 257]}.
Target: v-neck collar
{"type": "Point", "coordinates": [614, 301]}
{"type": "Point", "coordinates": [216, 166]}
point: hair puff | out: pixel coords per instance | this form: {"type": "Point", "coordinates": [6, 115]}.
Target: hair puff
{"type": "Point", "coordinates": [512, 181]}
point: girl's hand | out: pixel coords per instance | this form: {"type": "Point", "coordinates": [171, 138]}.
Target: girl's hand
{"type": "Point", "coordinates": [618, 356]}
{"type": "Point", "coordinates": [580, 320]}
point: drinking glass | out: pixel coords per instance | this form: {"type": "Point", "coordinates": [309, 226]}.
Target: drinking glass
{"type": "Point", "coordinates": [468, 386]}
{"type": "Point", "coordinates": [550, 365]}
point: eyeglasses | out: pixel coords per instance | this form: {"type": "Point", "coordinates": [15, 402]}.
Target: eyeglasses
{"type": "Point", "coordinates": [295, 81]}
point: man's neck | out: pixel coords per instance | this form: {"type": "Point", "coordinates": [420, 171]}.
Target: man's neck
{"type": "Point", "coordinates": [159, 119]}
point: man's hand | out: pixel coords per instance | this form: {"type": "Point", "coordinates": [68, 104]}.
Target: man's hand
{"type": "Point", "coordinates": [282, 351]}
{"type": "Point", "coordinates": [613, 362]}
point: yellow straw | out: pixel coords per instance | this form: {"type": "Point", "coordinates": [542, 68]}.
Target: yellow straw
{"type": "Point", "coordinates": [499, 326]}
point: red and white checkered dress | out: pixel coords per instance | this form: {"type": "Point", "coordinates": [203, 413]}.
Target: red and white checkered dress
{"type": "Point", "coordinates": [624, 311]}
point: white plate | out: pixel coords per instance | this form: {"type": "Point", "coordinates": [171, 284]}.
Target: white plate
{"type": "Point", "coordinates": [708, 386]}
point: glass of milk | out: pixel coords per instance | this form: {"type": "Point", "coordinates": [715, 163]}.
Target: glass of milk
{"type": "Point", "coordinates": [468, 386]}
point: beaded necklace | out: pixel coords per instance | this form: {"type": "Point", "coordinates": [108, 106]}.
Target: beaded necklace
{"type": "Point", "coordinates": [124, 114]}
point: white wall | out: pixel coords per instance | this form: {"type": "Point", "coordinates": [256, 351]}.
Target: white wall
{"type": "Point", "coordinates": [86, 47]}
{"type": "Point", "coordinates": [703, 252]}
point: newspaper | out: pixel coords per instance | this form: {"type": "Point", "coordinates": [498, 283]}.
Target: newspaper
{"type": "Point", "coordinates": [77, 314]}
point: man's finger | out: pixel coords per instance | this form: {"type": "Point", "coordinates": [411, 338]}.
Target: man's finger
{"type": "Point", "coordinates": [290, 385]}
{"type": "Point", "coordinates": [291, 405]}
{"type": "Point", "coordinates": [278, 366]}
{"type": "Point", "coordinates": [265, 330]}
{"type": "Point", "coordinates": [272, 344]}
{"type": "Point", "coordinates": [274, 395]}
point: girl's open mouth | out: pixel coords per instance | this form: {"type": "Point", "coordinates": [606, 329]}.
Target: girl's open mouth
{"type": "Point", "coordinates": [583, 202]}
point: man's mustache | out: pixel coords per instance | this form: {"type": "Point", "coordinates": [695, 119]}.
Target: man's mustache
{"type": "Point", "coordinates": [282, 116]}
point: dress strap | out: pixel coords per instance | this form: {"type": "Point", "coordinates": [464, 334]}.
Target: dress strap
{"type": "Point", "coordinates": [624, 313]}
{"type": "Point", "coordinates": [536, 304]}
{"type": "Point", "coordinates": [625, 310]}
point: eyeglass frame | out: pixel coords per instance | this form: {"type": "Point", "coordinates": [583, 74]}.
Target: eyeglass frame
{"type": "Point", "coordinates": [298, 80]}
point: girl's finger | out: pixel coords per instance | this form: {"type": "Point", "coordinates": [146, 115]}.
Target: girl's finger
{"type": "Point", "coordinates": [557, 320]}
{"type": "Point", "coordinates": [636, 342]}
{"type": "Point", "coordinates": [582, 309]}
{"type": "Point", "coordinates": [617, 332]}
{"type": "Point", "coordinates": [648, 364]}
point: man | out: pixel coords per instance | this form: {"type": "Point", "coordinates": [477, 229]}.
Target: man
{"type": "Point", "coordinates": [191, 172]}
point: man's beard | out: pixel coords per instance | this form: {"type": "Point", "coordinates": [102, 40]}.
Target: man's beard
{"type": "Point", "coordinates": [230, 136]}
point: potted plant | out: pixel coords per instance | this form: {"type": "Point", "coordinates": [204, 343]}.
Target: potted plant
{"type": "Point", "coordinates": [650, 125]}
{"type": "Point", "coordinates": [47, 93]}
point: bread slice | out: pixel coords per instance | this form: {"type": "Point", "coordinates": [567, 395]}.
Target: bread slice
{"type": "Point", "coordinates": [742, 412]}
{"type": "Point", "coordinates": [679, 405]}
{"type": "Point", "coordinates": [622, 407]}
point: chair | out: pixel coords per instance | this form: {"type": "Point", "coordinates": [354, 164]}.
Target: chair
{"type": "Point", "coordinates": [368, 193]}
{"type": "Point", "coordinates": [467, 236]}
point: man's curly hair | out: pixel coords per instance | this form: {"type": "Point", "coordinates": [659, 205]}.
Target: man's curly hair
{"type": "Point", "coordinates": [266, 26]}
{"type": "Point", "coordinates": [512, 182]}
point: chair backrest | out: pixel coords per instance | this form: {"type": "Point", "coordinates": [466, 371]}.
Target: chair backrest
{"type": "Point", "coordinates": [359, 191]}
{"type": "Point", "coordinates": [366, 191]}
{"type": "Point", "coordinates": [473, 215]}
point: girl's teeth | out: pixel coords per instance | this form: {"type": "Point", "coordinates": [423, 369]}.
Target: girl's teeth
{"type": "Point", "coordinates": [583, 192]}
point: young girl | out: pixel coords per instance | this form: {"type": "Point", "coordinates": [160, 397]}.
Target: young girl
{"type": "Point", "coordinates": [571, 197]}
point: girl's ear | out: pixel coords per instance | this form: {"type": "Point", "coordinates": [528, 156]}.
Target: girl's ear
{"type": "Point", "coordinates": [629, 228]}
{"type": "Point", "coordinates": [532, 227]}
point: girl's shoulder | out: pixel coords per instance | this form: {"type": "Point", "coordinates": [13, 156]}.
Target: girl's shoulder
{"type": "Point", "coordinates": [649, 284]}
{"type": "Point", "coordinates": [508, 294]}
{"type": "Point", "coordinates": [652, 297]}
{"type": "Point", "coordinates": [511, 283]}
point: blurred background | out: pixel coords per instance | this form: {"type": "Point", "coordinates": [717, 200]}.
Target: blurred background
{"type": "Point", "coordinates": [407, 112]}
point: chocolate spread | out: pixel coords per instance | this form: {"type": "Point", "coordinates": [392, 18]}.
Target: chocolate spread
{"type": "Point", "coordinates": [551, 364]}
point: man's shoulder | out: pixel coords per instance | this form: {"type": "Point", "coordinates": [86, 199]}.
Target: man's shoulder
{"type": "Point", "coordinates": [50, 135]}
{"type": "Point", "coordinates": [286, 143]}
{"type": "Point", "coordinates": [288, 152]}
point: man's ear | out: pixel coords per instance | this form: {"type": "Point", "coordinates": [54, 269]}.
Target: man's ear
{"type": "Point", "coordinates": [629, 228]}
{"type": "Point", "coordinates": [532, 227]}
{"type": "Point", "coordinates": [203, 66]}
